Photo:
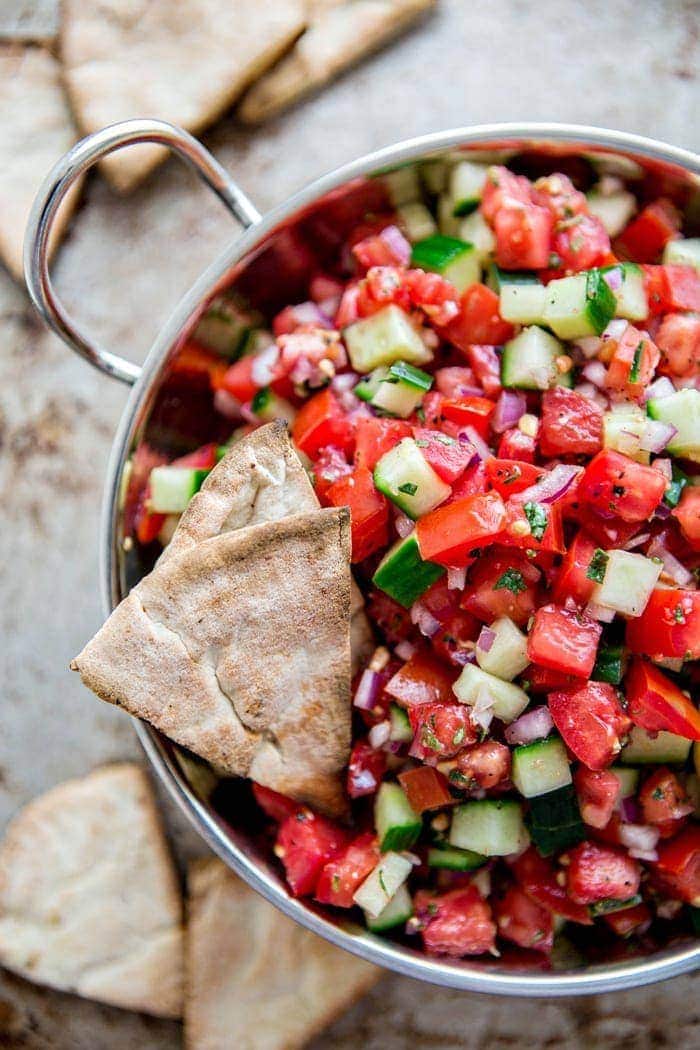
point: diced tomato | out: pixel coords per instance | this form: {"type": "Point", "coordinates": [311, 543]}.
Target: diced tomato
{"type": "Point", "coordinates": [643, 239]}
{"type": "Point", "coordinates": [470, 483]}
{"type": "Point", "coordinates": [305, 843]}
{"type": "Point", "coordinates": [678, 339]}
{"type": "Point", "coordinates": [486, 365]}
{"type": "Point", "coordinates": [487, 596]}
{"type": "Point", "coordinates": [523, 236]}
{"type": "Point", "coordinates": [503, 189]}
{"type": "Point", "coordinates": [470, 411]}
{"type": "Point", "coordinates": [558, 193]}
{"type": "Point", "coordinates": [432, 294]}
{"type": "Point", "coordinates": [321, 421]}
{"type": "Point", "coordinates": [323, 286]}
{"type": "Point", "coordinates": [663, 799]}
{"type": "Point", "coordinates": [669, 626]}
{"type": "Point", "coordinates": [516, 445]}
{"type": "Point", "coordinates": [632, 363]}
{"type": "Point", "coordinates": [441, 600]}
{"type": "Point", "coordinates": [597, 873]}
{"type": "Point", "coordinates": [655, 702]}
{"type": "Point", "coordinates": [421, 680]}
{"type": "Point", "coordinates": [440, 730]}
{"type": "Point", "coordinates": [391, 618]}
{"type": "Point", "coordinates": [342, 876]}
{"type": "Point", "coordinates": [537, 876]}
{"type": "Point", "coordinates": [581, 243]}
{"type": "Point", "coordinates": [456, 923]}
{"type": "Point", "coordinates": [369, 511]}
{"type": "Point", "coordinates": [148, 524]}
{"type": "Point", "coordinates": [591, 722]}
{"type": "Point", "coordinates": [572, 580]}
{"type": "Point", "coordinates": [382, 286]}
{"type": "Point", "coordinates": [203, 458]}
{"type": "Point", "coordinates": [238, 380]}
{"type": "Point", "coordinates": [348, 310]}
{"type": "Point", "coordinates": [276, 806]}
{"type": "Point", "coordinates": [330, 465]}
{"type": "Point", "coordinates": [597, 791]}
{"type": "Point", "coordinates": [687, 514]}
{"type": "Point", "coordinates": [572, 424]}
{"type": "Point", "coordinates": [672, 288]}
{"type": "Point", "coordinates": [563, 640]}
{"type": "Point", "coordinates": [629, 920]}
{"type": "Point", "coordinates": [484, 766]}
{"type": "Point", "coordinates": [387, 248]}
{"type": "Point", "coordinates": [456, 381]}
{"type": "Point", "coordinates": [545, 680]}
{"type": "Point", "coordinates": [510, 476]}
{"type": "Point", "coordinates": [448, 456]}
{"type": "Point", "coordinates": [615, 486]}
{"type": "Point", "coordinates": [450, 534]}
{"type": "Point", "coordinates": [478, 321]}
{"type": "Point", "coordinates": [523, 921]}
{"type": "Point", "coordinates": [451, 641]}
{"type": "Point", "coordinates": [679, 865]}
{"type": "Point", "coordinates": [426, 788]}
{"type": "Point", "coordinates": [366, 768]}
{"type": "Point", "coordinates": [517, 530]}
{"type": "Point", "coordinates": [194, 359]}
{"type": "Point", "coordinates": [375, 437]}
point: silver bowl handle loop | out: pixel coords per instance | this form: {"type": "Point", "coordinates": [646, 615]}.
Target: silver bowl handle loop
{"type": "Point", "coordinates": [55, 187]}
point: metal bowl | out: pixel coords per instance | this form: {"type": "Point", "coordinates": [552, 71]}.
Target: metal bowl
{"type": "Point", "coordinates": [269, 265]}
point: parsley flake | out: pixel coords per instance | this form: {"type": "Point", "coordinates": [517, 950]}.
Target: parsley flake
{"type": "Point", "coordinates": [678, 614]}
{"type": "Point", "coordinates": [636, 360]}
{"type": "Point", "coordinates": [597, 566]}
{"type": "Point", "coordinates": [428, 739]}
{"type": "Point", "coordinates": [511, 580]}
{"type": "Point", "coordinates": [409, 488]}
{"type": "Point", "coordinates": [537, 519]}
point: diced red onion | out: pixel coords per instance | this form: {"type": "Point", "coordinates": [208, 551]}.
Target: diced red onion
{"type": "Point", "coordinates": [482, 710]}
{"type": "Point", "coordinates": [392, 747]}
{"type": "Point", "coordinates": [662, 511]}
{"type": "Point", "coordinates": [248, 415]}
{"type": "Point", "coordinates": [482, 449]}
{"type": "Point", "coordinates": [589, 345]}
{"type": "Point", "coordinates": [661, 387]}
{"type": "Point", "coordinates": [553, 485]}
{"type": "Point", "coordinates": [263, 368]}
{"type": "Point", "coordinates": [462, 657]}
{"type": "Point", "coordinates": [367, 690]}
{"type": "Point", "coordinates": [533, 725]}
{"type": "Point", "coordinates": [509, 408]}
{"type": "Point", "coordinates": [613, 279]}
{"type": "Point", "coordinates": [486, 639]}
{"type": "Point", "coordinates": [672, 567]}
{"type": "Point", "coordinates": [636, 541]}
{"type": "Point", "coordinates": [456, 579]}
{"type": "Point", "coordinates": [482, 881]}
{"type": "Point", "coordinates": [424, 620]}
{"type": "Point", "coordinates": [650, 855]}
{"type": "Point", "coordinates": [404, 525]}
{"type": "Point", "coordinates": [227, 405]}
{"type": "Point", "coordinates": [631, 812]}
{"type": "Point", "coordinates": [595, 372]}
{"type": "Point", "coordinates": [405, 650]}
{"type": "Point", "coordinates": [343, 386]}
{"type": "Point", "coordinates": [365, 781]}
{"type": "Point", "coordinates": [665, 467]}
{"type": "Point", "coordinates": [599, 612]}
{"type": "Point", "coordinates": [656, 435]}
{"type": "Point", "coordinates": [395, 240]}
{"type": "Point", "coordinates": [593, 394]}
{"type": "Point", "coordinates": [379, 734]}
{"type": "Point", "coordinates": [616, 328]}
{"type": "Point", "coordinates": [642, 837]}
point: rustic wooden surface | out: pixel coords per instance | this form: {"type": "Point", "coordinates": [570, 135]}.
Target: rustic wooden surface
{"type": "Point", "coordinates": [630, 64]}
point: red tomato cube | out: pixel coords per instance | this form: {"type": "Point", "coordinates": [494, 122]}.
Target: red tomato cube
{"type": "Point", "coordinates": [440, 730]}
{"type": "Point", "coordinates": [426, 788]}
{"type": "Point", "coordinates": [613, 485]}
{"type": "Point", "coordinates": [572, 424]}
{"type": "Point", "coordinates": [669, 626]}
{"type": "Point", "coordinates": [366, 768]}
{"type": "Point", "coordinates": [342, 876]}
{"type": "Point", "coordinates": [564, 640]}
{"type": "Point", "coordinates": [457, 923]}
{"type": "Point", "coordinates": [597, 791]}
{"type": "Point", "coordinates": [524, 922]}
{"type": "Point", "coordinates": [523, 237]}
{"type": "Point", "coordinates": [591, 722]}
{"type": "Point", "coordinates": [449, 534]}
{"type": "Point", "coordinates": [655, 702]}
{"type": "Point", "coordinates": [369, 511]}
{"type": "Point", "coordinates": [421, 680]}
{"type": "Point", "coordinates": [597, 873]}
{"type": "Point", "coordinates": [305, 843]}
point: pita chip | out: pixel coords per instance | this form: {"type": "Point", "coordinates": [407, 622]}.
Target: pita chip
{"type": "Point", "coordinates": [36, 129]}
{"type": "Point", "coordinates": [256, 980]}
{"type": "Point", "coordinates": [89, 898]}
{"type": "Point", "coordinates": [239, 649]}
{"type": "Point", "coordinates": [184, 62]}
{"type": "Point", "coordinates": [340, 34]}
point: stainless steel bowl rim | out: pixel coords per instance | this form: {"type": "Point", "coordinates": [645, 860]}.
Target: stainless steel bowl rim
{"type": "Point", "coordinates": [599, 978]}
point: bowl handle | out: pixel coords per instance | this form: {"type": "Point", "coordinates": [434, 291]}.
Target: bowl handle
{"type": "Point", "coordinates": [56, 185]}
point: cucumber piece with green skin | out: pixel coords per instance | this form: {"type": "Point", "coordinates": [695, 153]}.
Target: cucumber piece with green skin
{"type": "Point", "coordinates": [509, 699]}
{"type": "Point", "coordinates": [449, 224]}
{"type": "Point", "coordinates": [398, 825]}
{"type": "Point", "coordinates": [662, 748]}
{"type": "Point", "coordinates": [407, 479]}
{"type": "Point", "coordinates": [383, 338]}
{"type": "Point", "coordinates": [396, 913]}
{"type": "Point", "coordinates": [683, 251]}
{"type": "Point", "coordinates": [628, 779]}
{"type": "Point", "coordinates": [227, 329]}
{"type": "Point", "coordinates": [172, 488]}
{"type": "Point", "coordinates": [402, 573]}
{"type": "Point", "coordinates": [522, 303]}
{"type": "Point", "coordinates": [610, 905]}
{"type": "Point", "coordinates": [498, 279]}
{"type": "Point", "coordinates": [529, 361]}
{"type": "Point", "coordinates": [400, 390]}
{"type": "Point", "coordinates": [491, 827]}
{"type": "Point", "coordinates": [402, 184]}
{"type": "Point", "coordinates": [416, 221]}
{"type": "Point", "coordinates": [627, 583]}
{"type": "Point", "coordinates": [681, 410]}
{"type": "Point", "coordinates": [675, 487]}
{"type": "Point", "coordinates": [507, 655]}
{"type": "Point", "coordinates": [580, 305]}
{"type": "Point", "coordinates": [540, 767]}
{"type": "Point", "coordinates": [623, 430]}
{"type": "Point", "coordinates": [467, 186]}
{"type": "Point", "coordinates": [453, 859]}
{"type": "Point", "coordinates": [382, 883]}
{"type": "Point", "coordinates": [400, 731]}
{"type": "Point", "coordinates": [609, 664]}
{"type": "Point", "coordinates": [555, 821]}
{"type": "Point", "coordinates": [613, 209]}
{"type": "Point", "coordinates": [477, 231]}
{"type": "Point", "coordinates": [267, 406]}
{"type": "Point", "coordinates": [457, 261]}
{"type": "Point", "coordinates": [630, 298]}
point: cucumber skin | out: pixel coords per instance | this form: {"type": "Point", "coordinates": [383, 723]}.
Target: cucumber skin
{"type": "Point", "coordinates": [403, 575]}
{"type": "Point", "coordinates": [397, 912]}
{"type": "Point", "coordinates": [555, 821]}
{"type": "Point", "coordinates": [397, 839]}
{"type": "Point", "coordinates": [455, 859]}
{"type": "Point", "coordinates": [552, 752]}
{"type": "Point", "coordinates": [398, 825]}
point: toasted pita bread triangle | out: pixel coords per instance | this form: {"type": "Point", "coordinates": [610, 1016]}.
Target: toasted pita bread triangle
{"type": "Point", "coordinates": [36, 129]}
{"type": "Point", "coordinates": [185, 62]}
{"type": "Point", "coordinates": [340, 33]}
{"type": "Point", "coordinates": [89, 898]}
{"type": "Point", "coordinates": [239, 649]}
{"type": "Point", "coordinates": [256, 980]}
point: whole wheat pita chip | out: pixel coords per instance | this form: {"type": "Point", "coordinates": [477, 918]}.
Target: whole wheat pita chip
{"type": "Point", "coordinates": [89, 899]}
{"type": "Point", "coordinates": [185, 62]}
{"type": "Point", "coordinates": [340, 33]}
{"type": "Point", "coordinates": [239, 649]}
{"type": "Point", "coordinates": [36, 129]}
{"type": "Point", "coordinates": [256, 980]}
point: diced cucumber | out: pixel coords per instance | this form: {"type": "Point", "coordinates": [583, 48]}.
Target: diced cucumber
{"type": "Point", "coordinates": [628, 779]}
{"type": "Point", "coordinates": [382, 883]}
{"type": "Point", "coordinates": [675, 487]}
{"type": "Point", "coordinates": [498, 279]}
{"type": "Point", "coordinates": [506, 655]}
{"type": "Point", "coordinates": [417, 222]}
{"type": "Point", "coordinates": [623, 429]}
{"type": "Point", "coordinates": [580, 305]}
{"type": "Point", "coordinates": [454, 859]}
{"type": "Point", "coordinates": [404, 475]}
{"type": "Point", "coordinates": [522, 303]}
{"type": "Point", "coordinates": [509, 700]}
{"type": "Point", "coordinates": [466, 186]}
{"type": "Point", "coordinates": [383, 338]}
{"type": "Point", "coordinates": [659, 748]}
{"type": "Point", "coordinates": [403, 184]}
{"type": "Point", "coordinates": [402, 573]}
{"type": "Point", "coordinates": [457, 261]}
{"type": "Point", "coordinates": [400, 732]}
{"type": "Point", "coordinates": [681, 410]}
{"type": "Point", "coordinates": [609, 664]}
{"type": "Point", "coordinates": [268, 406]}
{"type": "Point", "coordinates": [172, 488]}
{"type": "Point", "coordinates": [369, 384]}
{"type": "Point", "coordinates": [628, 582]}
{"type": "Point", "coordinates": [477, 231]}
{"type": "Point", "coordinates": [683, 251]}
{"type": "Point", "coordinates": [398, 825]}
{"type": "Point", "coordinates": [434, 174]}
{"type": "Point", "coordinates": [541, 767]}
{"type": "Point", "coordinates": [397, 390]}
{"type": "Point", "coordinates": [226, 328]}
{"type": "Point", "coordinates": [630, 298]}
{"type": "Point", "coordinates": [396, 913]}
{"type": "Point", "coordinates": [448, 223]}
{"type": "Point", "coordinates": [555, 821]}
{"type": "Point", "coordinates": [529, 361]}
{"type": "Point", "coordinates": [610, 905]}
{"type": "Point", "coordinates": [613, 209]}
{"type": "Point", "coordinates": [491, 827]}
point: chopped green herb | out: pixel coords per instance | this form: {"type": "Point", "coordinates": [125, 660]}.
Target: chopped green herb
{"type": "Point", "coordinates": [380, 875]}
{"type": "Point", "coordinates": [657, 794]}
{"type": "Point", "coordinates": [636, 360]}
{"type": "Point", "coordinates": [675, 487]}
{"type": "Point", "coordinates": [609, 665]}
{"type": "Point", "coordinates": [597, 565]}
{"type": "Point", "coordinates": [537, 519]}
{"type": "Point", "coordinates": [678, 614]}
{"type": "Point", "coordinates": [260, 401]}
{"type": "Point", "coordinates": [409, 488]}
{"type": "Point", "coordinates": [511, 580]}
{"type": "Point", "coordinates": [445, 439]}
{"type": "Point", "coordinates": [515, 473]}
{"type": "Point", "coordinates": [335, 883]}
{"type": "Point", "coordinates": [458, 737]}
{"type": "Point", "coordinates": [422, 443]}
{"type": "Point", "coordinates": [420, 412]}
{"type": "Point", "coordinates": [428, 739]}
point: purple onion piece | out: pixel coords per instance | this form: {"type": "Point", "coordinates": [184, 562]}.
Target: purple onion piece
{"type": "Point", "coordinates": [367, 690]}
